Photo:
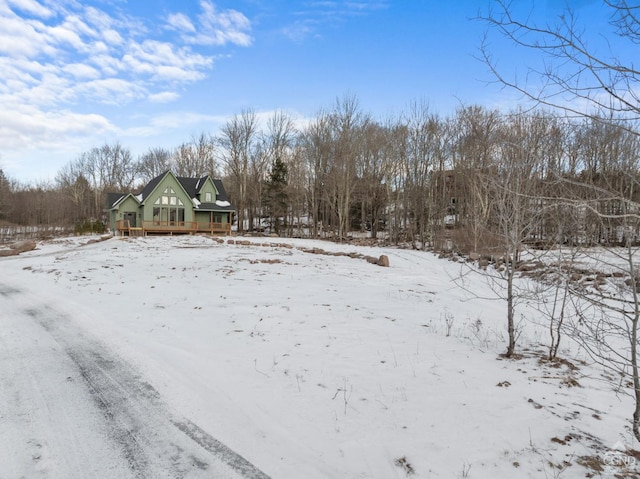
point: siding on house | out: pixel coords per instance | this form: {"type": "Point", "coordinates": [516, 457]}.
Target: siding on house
{"type": "Point", "coordinates": [176, 198]}
{"type": "Point", "coordinates": [170, 204]}
{"type": "Point", "coordinates": [120, 204]}
{"type": "Point", "coordinates": [207, 187]}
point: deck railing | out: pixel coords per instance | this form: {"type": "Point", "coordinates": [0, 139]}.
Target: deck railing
{"type": "Point", "coordinates": [215, 227]}
{"type": "Point", "coordinates": [170, 227]}
{"type": "Point", "coordinates": [157, 225]}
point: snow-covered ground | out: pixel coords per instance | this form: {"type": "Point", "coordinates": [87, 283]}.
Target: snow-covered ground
{"type": "Point", "coordinates": [283, 363]}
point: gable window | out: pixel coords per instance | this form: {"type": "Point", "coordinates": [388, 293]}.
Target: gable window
{"type": "Point", "coordinates": [207, 197]}
{"type": "Point", "coordinates": [168, 198]}
{"type": "Point", "coordinates": [168, 209]}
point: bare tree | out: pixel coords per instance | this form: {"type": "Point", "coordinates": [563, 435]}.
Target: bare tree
{"type": "Point", "coordinates": [237, 141]}
{"type": "Point", "coordinates": [478, 134]}
{"type": "Point", "coordinates": [396, 182]}
{"type": "Point", "coordinates": [109, 167]}
{"type": "Point", "coordinates": [118, 165]}
{"type": "Point", "coordinates": [257, 176]}
{"type": "Point", "coordinates": [419, 130]}
{"type": "Point", "coordinates": [39, 205]}
{"type": "Point", "coordinates": [512, 181]}
{"type": "Point", "coordinates": [71, 181]}
{"type": "Point", "coordinates": [577, 78]}
{"type": "Point", "coordinates": [152, 163]}
{"type": "Point", "coordinates": [297, 193]}
{"type": "Point", "coordinates": [423, 155]}
{"type": "Point", "coordinates": [195, 158]}
{"type": "Point", "coordinates": [514, 185]}
{"type": "Point", "coordinates": [608, 319]}
{"type": "Point", "coordinates": [371, 167]}
{"type": "Point", "coordinates": [315, 143]}
{"type": "Point", "coordinates": [347, 122]}
{"type": "Point", "coordinates": [279, 136]}
{"type": "Point", "coordinates": [583, 81]}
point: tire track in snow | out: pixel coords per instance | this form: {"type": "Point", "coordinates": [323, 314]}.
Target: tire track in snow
{"type": "Point", "coordinates": [154, 442]}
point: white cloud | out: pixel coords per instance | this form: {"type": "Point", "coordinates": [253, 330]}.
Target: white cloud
{"type": "Point", "coordinates": [57, 56]}
{"type": "Point", "coordinates": [109, 65]}
{"type": "Point", "coordinates": [166, 127]}
{"type": "Point", "coordinates": [29, 127]}
{"type": "Point", "coordinates": [81, 27]}
{"type": "Point", "coordinates": [22, 38]}
{"type": "Point", "coordinates": [180, 22]}
{"type": "Point", "coordinates": [102, 42]}
{"type": "Point", "coordinates": [82, 71]}
{"type": "Point", "coordinates": [173, 73]}
{"type": "Point", "coordinates": [112, 91]}
{"type": "Point", "coordinates": [63, 34]}
{"type": "Point", "coordinates": [50, 90]}
{"type": "Point", "coordinates": [32, 7]}
{"type": "Point", "coordinates": [163, 97]}
{"type": "Point", "coordinates": [112, 37]}
{"type": "Point", "coordinates": [162, 61]}
{"type": "Point", "coordinates": [99, 19]}
{"type": "Point", "coordinates": [227, 19]}
{"type": "Point", "coordinates": [36, 143]}
{"type": "Point", "coordinates": [214, 27]}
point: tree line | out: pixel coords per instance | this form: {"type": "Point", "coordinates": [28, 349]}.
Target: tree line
{"type": "Point", "coordinates": [422, 179]}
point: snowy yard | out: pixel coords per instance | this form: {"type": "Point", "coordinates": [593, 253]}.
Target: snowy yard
{"type": "Point", "coordinates": [305, 365]}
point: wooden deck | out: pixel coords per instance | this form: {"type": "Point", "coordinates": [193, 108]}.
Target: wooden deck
{"type": "Point", "coordinates": [171, 228]}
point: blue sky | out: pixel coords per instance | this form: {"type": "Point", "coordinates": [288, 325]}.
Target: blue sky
{"type": "Point", "coordinates": [77, 74]}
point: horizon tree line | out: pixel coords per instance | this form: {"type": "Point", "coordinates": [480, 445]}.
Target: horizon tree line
{"type": "Point", "coordinates": [425, 180]}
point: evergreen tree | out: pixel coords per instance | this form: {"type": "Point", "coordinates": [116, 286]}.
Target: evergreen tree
{"type": "Point", "coordinates": [277, 200]}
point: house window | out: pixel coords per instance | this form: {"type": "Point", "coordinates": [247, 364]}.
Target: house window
{"type": "Point", "coordinates": [169, 198]}
{"type": "Point", "coordinates": [168, 216]}
{"type": "Point", "coordinates": [207, 197]}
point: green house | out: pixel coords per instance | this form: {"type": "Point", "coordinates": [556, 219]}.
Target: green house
{"type": "Point", "coordinates": [169, 204]}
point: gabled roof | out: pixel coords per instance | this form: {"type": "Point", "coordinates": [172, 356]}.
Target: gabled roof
{"type": "Point", "coordinates": [191, 186]}
{"type": "Point", "coordinates": [148, 189]}
{"type": "Point", "coordinates": [153, 184]}
{"type": "Point", "coordinates": [222, 194]}
{"type": "Point", "coordinates": [114, 199]}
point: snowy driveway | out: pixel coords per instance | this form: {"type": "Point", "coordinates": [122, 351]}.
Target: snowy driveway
{"type": "Point", "coordinates": [70, 407]}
